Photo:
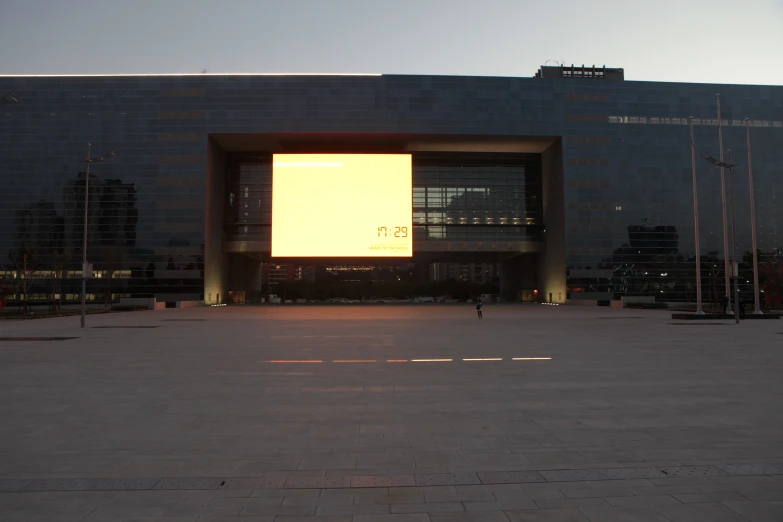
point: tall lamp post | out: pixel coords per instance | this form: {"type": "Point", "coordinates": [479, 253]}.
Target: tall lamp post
{"type": "Point", "coordinates": [8, 98]}
{"type": "Point", "coordinates": [735, 267]}
{"type": "Point", "coordinates": [723, 201]}
{"type": "Point", "coordinates": [699, 310]}
{"type": "Point", "coordinates": [756, 297]}
{"type": "Point", "coordinates": [86, 269]}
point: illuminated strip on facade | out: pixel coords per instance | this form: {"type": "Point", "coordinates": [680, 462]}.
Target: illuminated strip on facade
{"type": "Point", "coordinates": [130, 75]}
{"type": "Point", "coordinates": [708, 122]}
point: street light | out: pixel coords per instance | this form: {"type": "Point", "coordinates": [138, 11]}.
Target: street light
{"type": "Point", "coordinates": [729, 166]}
{"type": "Point", "coordinates": [699, 311]}
{"type": "Point", "coordinates": [8, 98]}
{"type": "Point", "coordinates": [756, 298]}
{"type": "Point", "coordinates": [85, 268]}
{"type": "Point", "coordinates": [723, 200]}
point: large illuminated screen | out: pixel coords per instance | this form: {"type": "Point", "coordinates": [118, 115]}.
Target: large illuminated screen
{"type": "Point", "coordinates": [341, 205]}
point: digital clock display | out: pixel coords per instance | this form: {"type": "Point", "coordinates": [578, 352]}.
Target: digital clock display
{"type": "Point", "coordinates": [342, 205]}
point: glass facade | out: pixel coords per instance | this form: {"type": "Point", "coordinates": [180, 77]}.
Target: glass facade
{"type": "Point", "coordinates": [456, 196]}
{"type": "Point", "coordinates": [626, 169]}
{"type": "Point", "coordinates": [477, 196]}
{"type": "Point", "coordinates": [249, 197]}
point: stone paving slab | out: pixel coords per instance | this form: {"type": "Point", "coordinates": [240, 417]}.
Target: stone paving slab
{"type": "Point", "coordinates": [512, 477]}
{"type": "Point", "coordinates": [8, 485]}
{"type": "Point", "coordinates": [693, 471]}
{"type": "Point", "coordinates": [632, 473]}
{"type": "Point", "coordinates": [682, 475]}
{"type": "Point", "coordinates": [447, 479]}
{"type": "Point", "coordinates": [752, 469]}
{"type": "Point", "coordinates": [573, 475]}
{"type": "Point", "coordinates": [188, 483]}
{"type": "Point", "coordinates": [318, 482]}
{"type": "Point", "coordinates": [382, 481]}
{"type": "Point", "coordinates": [251, 483]}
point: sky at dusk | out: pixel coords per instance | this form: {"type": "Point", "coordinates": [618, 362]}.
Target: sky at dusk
{"type": "Point", "coordinates": [718, 41]}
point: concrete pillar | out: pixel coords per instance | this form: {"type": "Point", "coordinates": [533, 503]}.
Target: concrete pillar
{"type": "Point", "coordinates": [552, 262]}
{"type": "Point", "coordinates": [215, 260]}
{"type": "Point", "coordinates": [258, 278]}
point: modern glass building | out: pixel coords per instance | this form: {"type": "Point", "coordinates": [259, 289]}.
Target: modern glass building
{"type": "Point", "coordinates": [570, 184]}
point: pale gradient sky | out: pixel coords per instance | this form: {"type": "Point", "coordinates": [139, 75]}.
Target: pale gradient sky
{"type": "Point", "coordinates": [713, 41]}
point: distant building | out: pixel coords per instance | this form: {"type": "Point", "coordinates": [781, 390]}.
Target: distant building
{"type": "Point", "coordinates": [113, 215]}
{"type": "Point", "coordinates": [39, 227]}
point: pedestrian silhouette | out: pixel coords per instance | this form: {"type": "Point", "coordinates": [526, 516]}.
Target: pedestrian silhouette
{"type": "Point", "coordinates": [478, 309]}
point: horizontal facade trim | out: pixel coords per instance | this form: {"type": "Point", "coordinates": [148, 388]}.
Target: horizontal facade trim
{"type": "Point", "coordinates": [595, 205]}
{"type": "Point", "coordinates": [181, 137]}
{"type": "Point", "coordinates": [179, 204]}
{"type": "Point", "coordinates": [589, 183]}
{"type": "Point", "coordinates": [571, 96]}
{"type": "Point", "coordinates": [588, 162]}
{"type": "Point", "coordinates": [587, 140]}
{"type": "Point", "coordinates": [178, 182]}
{"type": "Point", "coordinates": [180, 159]}
{"type": "Point", "coordinates": [182, 93]}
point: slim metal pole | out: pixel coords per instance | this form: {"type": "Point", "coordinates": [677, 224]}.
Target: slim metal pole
{"type": "Point", "coordinates": [756, 296]}
{"type": "Point", "coordinates": [723, 206]}
{"type": "Point", "coordinates": [699, 311]}
{"type": "Point", "coordinates": [734, 264]}
{"type": "Point", "coordinates": [84, 238]}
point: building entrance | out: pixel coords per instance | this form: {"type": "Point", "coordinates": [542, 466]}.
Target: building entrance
{"type": "Point", "coordinates": [477, 225]}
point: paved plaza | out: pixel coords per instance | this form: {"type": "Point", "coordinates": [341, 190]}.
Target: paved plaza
{"type": "Point", "coordinates": [387, 413]}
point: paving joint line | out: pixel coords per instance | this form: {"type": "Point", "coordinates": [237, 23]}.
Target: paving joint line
{"type": "Point", "coordinates": [363, 481]}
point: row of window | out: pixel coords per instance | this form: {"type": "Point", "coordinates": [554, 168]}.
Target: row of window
{"type": "Point", "coordinates": [710, 122]}
{"type": "Point", "coordinates": [64, 297]}
{"type": "Point", "coordinates": [467, 189]}
{"type": "Point", "coordinates": [474, 231]}
{"type": "Point", "coordinates": [65, 274]}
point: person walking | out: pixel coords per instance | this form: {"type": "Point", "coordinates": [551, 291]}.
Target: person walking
{"type": "Point", "coordinates": [478, 309]}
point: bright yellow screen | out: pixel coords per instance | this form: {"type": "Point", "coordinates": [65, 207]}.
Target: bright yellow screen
{"type": "Point", "coordinates": [341, 205]}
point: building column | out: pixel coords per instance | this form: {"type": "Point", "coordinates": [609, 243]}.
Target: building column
{"type": "Point", "coordinates": [215, 260]}
{"type": "Point", "coordinates": [552, 262]}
